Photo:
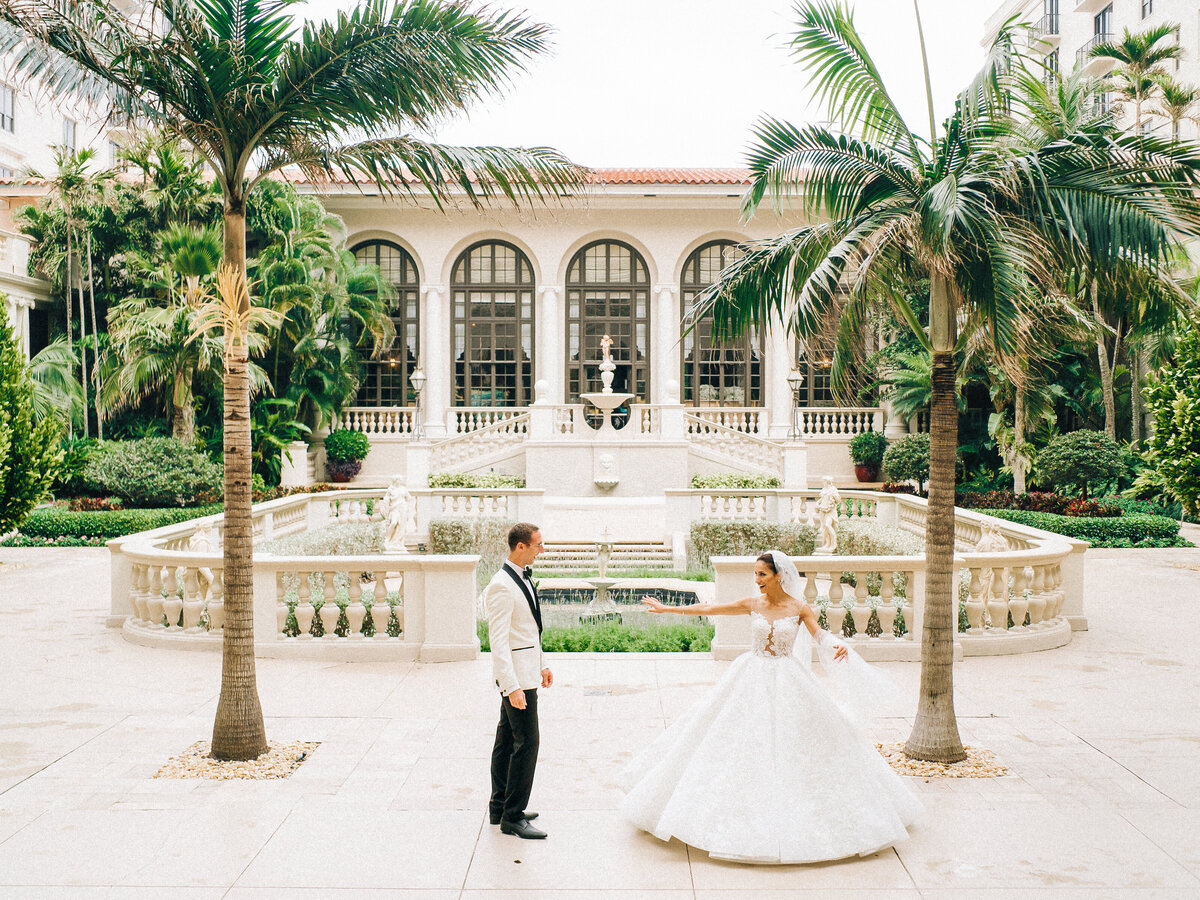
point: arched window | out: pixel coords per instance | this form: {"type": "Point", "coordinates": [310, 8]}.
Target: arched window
{"type": "Point", "coordinates": [386, 380]}
{"type": "Point", "coordinates": [608, 292]}
{"type": "Point", "coordinates": [492, 286]}
{"type": "Point", "coordinates": [729, 374]}
{"type": "Point", "coordinates": [814, 359]}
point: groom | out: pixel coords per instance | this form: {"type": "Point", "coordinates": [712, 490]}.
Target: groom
{"type": "Point", "coordinates": [515, 630]}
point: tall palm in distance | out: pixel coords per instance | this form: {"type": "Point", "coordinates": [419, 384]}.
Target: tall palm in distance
{"type": "Point", "coordinates": [985, 220]}
{"type": "Point", "coordinates": [1138, 78]}
{"type": "Point", "coordinates": [252, 92]}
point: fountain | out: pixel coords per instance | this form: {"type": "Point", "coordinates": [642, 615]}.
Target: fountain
{"type": "Point", "coordinates": [605, 400]}
{"type": "Point", "coordinates": [601, 608]}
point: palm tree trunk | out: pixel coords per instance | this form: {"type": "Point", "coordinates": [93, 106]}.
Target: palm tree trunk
{"type": "Point", "coordinates": [183, 412]}
{"type": "Point", "coordinates": [1020, 463]}
{"type": "Point", "coordinates": [238, 730]}
{"type": "Point", "coordinates": [96, 334]}
{"type": "Point", "coordinates": [77, 277]}
{"type": "Point", "coordinates": [1137, 406]}
{"type": "Point", "coordinates": [1106, 370]}
{"type": "Point", "coordinates": [70, 349]}
{"type": "Point", "coordinates": [935, 731]}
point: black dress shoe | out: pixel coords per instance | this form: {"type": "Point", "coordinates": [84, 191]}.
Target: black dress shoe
{"type": "Point", "coordinates": [522, 829]}
{"type": "Point", "coordinates": [495, 818]}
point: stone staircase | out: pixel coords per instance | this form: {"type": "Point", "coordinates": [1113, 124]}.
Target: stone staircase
{"type": "Point", "coordinates": [566, 557]}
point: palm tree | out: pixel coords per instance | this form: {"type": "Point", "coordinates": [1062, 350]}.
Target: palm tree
{"type": "Point", "coordinates": [1177, 103]}
{"type": "Point", "coordinates": [1138, 77]}
{"type": "Point", "coordinates": [55, 390]}
{"type": "Point", "coordinates": [251, 92]}
{"type": "Point", "coordinates": [982, 218]}
{"type": "Point", "coordinates": [1140, 57]}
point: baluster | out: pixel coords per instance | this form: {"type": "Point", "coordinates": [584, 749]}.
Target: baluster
{"type": "Point", "coordinates": [1037, 600]}
{"type": "Point", "coordinates": [329, 611]}
{"type": "Point", "coordinates": [1056, 591]}
{"type": "Point", "coordinates": [886, 611]}
{"type": "Point", "coordinates": [836, 615]}
{"type": "Point", "coordinates": [154, 602]}
{"type": "Point", "coordinates": [974, 603]}
{"type": "Point", "coordinates": [137, 592]}
{"type": "Point", "coordinates": [304, 609]}
{"type": "Point", "coordinates": [172, 605]}
{"type": "Point", "coordinates": [192, 604]}
{"type": "Point", "coordinates": [997, 602]}
{"type": "Point", "coordinates": [1019, 604]}
{"type": "Point", "coordinates": [356, 612]}
{"type": "Point", "coordinates": [861, 613]}
{"type": "Point", "coordinates": [216, 601]}
{"type": "Point", "coordinates": [379, 609]}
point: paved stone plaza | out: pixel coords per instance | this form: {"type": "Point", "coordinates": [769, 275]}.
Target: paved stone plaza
{"type": "Point", "coordinates": [1103, 738]}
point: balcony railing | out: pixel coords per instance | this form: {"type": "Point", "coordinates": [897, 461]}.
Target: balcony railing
{"type": "Point", "coordinates": [1047, 26]}
{"type": "Point", "coordinates": [1083, 56]}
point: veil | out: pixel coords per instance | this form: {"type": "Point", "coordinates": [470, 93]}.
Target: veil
{"type": "Point", "coordinates": [789, 577]}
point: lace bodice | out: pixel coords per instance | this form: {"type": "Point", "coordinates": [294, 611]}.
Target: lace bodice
{"type": "Point", "coordinates": [773, 637]}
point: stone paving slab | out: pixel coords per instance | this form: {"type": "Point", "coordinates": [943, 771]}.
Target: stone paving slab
{"type": "Point", "coordinates": [1102, 738]}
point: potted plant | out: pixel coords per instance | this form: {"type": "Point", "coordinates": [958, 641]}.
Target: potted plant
{"type": "Point", "coordinates": [866, 452]}
{"type": "Point", "coordinates": [344, 452]}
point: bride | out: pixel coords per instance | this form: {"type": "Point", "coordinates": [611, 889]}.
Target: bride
{"type": "Point", "coordinates": [768, 768]}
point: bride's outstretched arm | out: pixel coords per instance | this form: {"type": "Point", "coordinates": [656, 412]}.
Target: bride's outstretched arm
{"type": "Point", "coordinates": [739, 608]}
{"type": "Point", "coordinates": [809, 617]}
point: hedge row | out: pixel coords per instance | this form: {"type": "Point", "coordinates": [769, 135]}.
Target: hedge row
{"type": "Point", "coordinates": [487, 537]}
{"type": "Point", "coordinates": [736, 538]}
{"type": "Point", "coordinates": [53, 522]}
{"type": "Point", "coordinates": [1129, 530]}
{"type": "Point", "coordinates": [611, 637]}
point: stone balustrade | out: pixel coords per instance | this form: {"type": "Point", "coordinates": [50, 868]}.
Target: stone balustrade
{"type": "Point", "coordinates": [379, 421]}
{"type": "Point", "coordinates": [837, 422]}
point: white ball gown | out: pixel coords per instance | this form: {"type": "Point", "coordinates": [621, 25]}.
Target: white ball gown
{"type": "Point", "coordinates": [768, 768]}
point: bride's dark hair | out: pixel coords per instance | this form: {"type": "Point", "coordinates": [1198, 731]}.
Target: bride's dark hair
{"type": "Point", "coordinates": [769, 560]}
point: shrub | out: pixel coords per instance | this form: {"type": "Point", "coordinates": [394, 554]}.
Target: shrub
{"type": "Point", "coordinates": [867, 449]}
{"type": "Point", "coordinates": [1036, 501]}
{"type": "Point", "coordinates": [1126, 531]}
{"type": "Point", "coordinates": [155, 472]}
{"type": "Point", "coordinates": [1155, 507]}
{"type": "Point", "coordinates": [29, 452]}
{"type": "Point", "coordinates": [731, 481]}
{"type": "Point", "coordinates": [470, 480]}
{"type": "Point", "coordinates": [71, 480]}
{"type": "Point", "coordinates": [487, 537]}
{"type": "Point", "coordinates": [908, 460]}
{"type": "Point", "coordinates": [1081, 459]}
{"type": "Point", "coordinates": [344, 445]}
{"type": "Point", "coordinates": [357, 539]}
{"type": "Point", "coordinates": [94, 504]}
{"type": "Point", "coordinates": [897, 487]}
{"type": "Point", "coordinates": [738, 538]}
{"type": "Point", "coordinates": [1173, 448]}
{"type": "Point", "coordinates": [342, 470]}
{"type": "Point", "coordinates": [867, 537]}
{"type": "Point", "coordinates": [611, 637]}
{"type": "Point", "coordinates": [55, 522]}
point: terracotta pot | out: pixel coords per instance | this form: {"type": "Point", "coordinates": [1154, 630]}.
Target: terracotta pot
{"type": "Point", "coordinates": [866, 473]}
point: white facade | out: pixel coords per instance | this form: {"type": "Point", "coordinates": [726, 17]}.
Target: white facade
{"type": "Point", "coordinates": [1068, 29]}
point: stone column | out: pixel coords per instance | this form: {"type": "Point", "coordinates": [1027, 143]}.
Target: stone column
{"type": "Point", "coordinates": [777, 393]}
{"type": "Point", "coordinates": [549, 340]}
{"type": "Point", "coordinates": [894, 427]}
{"type": "Point", "coordinates": [664, 342]}
{"type": "Point", "coordinates": [436, 359]}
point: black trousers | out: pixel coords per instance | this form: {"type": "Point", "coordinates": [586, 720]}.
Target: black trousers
{"type": "Point", "coordinates": [514, 758]}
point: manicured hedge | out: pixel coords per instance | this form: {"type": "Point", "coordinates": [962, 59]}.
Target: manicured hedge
{"type": "Point", "coordinates": [53, 522]}
{"type": "Point", "coordinates": [720, 537]}
{"type": "Point", "coordinates": [1130, 530]}
{"type": "Point", "coordinates": [685, 637]}
{"type": "Point", "coordinates": [733, 481]}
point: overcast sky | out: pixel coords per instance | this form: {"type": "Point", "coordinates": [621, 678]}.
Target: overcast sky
{"type": "Point", "coordinates": [679, 82]}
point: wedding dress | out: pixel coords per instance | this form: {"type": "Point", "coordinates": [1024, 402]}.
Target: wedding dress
{"type": "Point", "coordinates": [768, 768]}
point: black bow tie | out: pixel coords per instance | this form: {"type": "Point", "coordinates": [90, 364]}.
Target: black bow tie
{"type": "Point", "coordinates": [528, 573]}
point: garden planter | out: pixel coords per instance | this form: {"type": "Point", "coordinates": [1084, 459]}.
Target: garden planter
{"type": "Point", "coordinates": [342, 470]}
{"type": "Point", "coordinates": [866, 473]}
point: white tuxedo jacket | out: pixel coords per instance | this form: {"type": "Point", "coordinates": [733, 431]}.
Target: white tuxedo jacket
{"type": "Point", "coordinates": [513, 633]}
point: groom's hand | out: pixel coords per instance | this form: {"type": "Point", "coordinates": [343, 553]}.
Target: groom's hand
{"type": "Point", "coordinates": [517, 699]}
{"type": "Point", "coordinates": [547, 678]}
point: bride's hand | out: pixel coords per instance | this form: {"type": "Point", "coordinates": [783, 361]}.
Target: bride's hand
{"type": "Point", "coordinates": [839, 652]}
{"type": "Point", "coordinates": [654, 605]}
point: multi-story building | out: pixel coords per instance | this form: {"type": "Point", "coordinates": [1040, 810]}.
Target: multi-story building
{"type": "Point", "coordinates": [1065, 31]}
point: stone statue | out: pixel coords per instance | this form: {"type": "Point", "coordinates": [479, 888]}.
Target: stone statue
{"type": "Point", "coordinates": [201, 541]}
{"type": "Point", "coordinates": [399, 511]}
{"type": "Point", "coordinates": [992, 541]}
{"type": "Point", "coordinates": [827, 507]}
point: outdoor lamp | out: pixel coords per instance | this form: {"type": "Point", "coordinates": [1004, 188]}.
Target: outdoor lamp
{"type": "Point", "coordinates": [417, 380]}
{"type": "Point", "coordinates": [795, 380]}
